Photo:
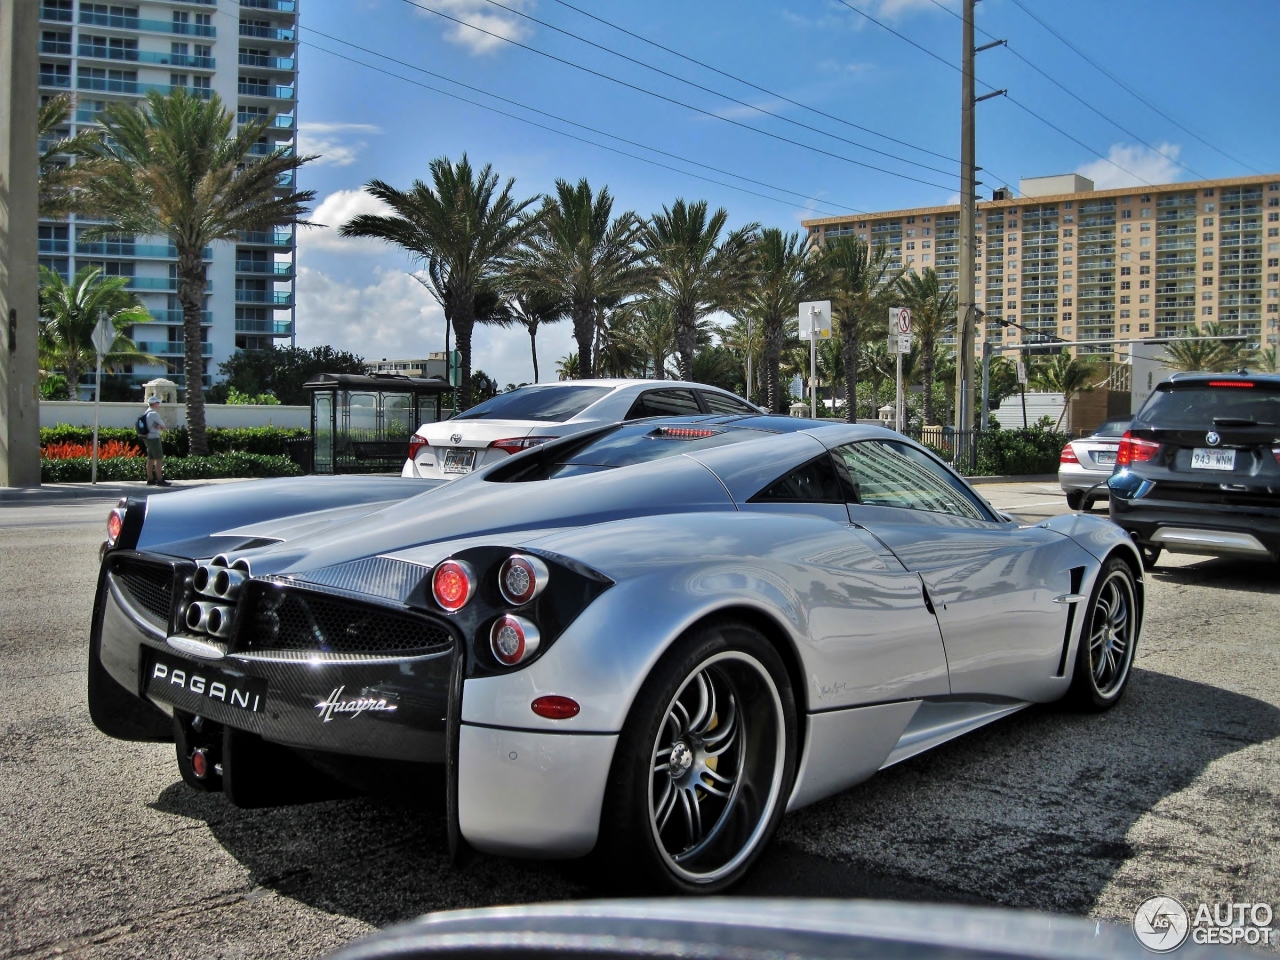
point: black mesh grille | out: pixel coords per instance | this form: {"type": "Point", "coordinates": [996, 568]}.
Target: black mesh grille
{"type": "Point", "coordinates": [149, 585]}
{"type": "Point", "coordinates": [283, 619]}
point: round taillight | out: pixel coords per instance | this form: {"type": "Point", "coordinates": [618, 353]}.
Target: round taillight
{"type": "Point", "coordinates": [522, 578]}
{"type": "Point", "coordinates": [556, 708]}
{"type": "Point", "coordinates": [453, 583]}
{"type": "Point", "coordinates": [513, 639]}
{"type": "Point", "coordinates": [115, 523]}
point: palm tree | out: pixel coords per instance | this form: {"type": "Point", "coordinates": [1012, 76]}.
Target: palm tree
{"type": "Point", "coordinates": [743, 336]}
{"type": "Point", "coordinates": [862, 287]}
{"type": "Point", "coordinates": [1266, 360]}
{"type": "Point", "coordinates": [785, 273]}
{"type": "Point", "coordinates": [173, 167]}
{"type": "Point", "coordinates": [69, 312]}
{"type": "Point", "coordinates": [933, 316]}
{"type": "Point", "coordinates": [462, 226]}
{"type": "Point", "coordinates": [586, 257]}
{"type": "Point", "coordinates": [532, 307]}
{"type": "Point", "coordinates": [1066, 375]}
{"type": "Point", "coordinates": [1206, 354]}
{"type": "Point", "coordinates": [697, 272]}
{"type": "Point", "coordinates": [58, 177]}
{"type": "Point", "coordinates": [567, 367]}
{"type": "Point", "coordinates": [650, 327]}
{"type": "Point", "coordinates": [874, 355]}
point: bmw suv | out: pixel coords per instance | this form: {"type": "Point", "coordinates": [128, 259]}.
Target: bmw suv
{"type": "Point", "coordinates": [1198, 471]}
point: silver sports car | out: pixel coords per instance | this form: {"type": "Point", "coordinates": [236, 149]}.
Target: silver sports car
{"type": "Point", "coordinates": [650, 639]}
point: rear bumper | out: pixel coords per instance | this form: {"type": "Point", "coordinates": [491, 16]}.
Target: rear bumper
{"type": "Point", "coordinates": [1194, 528]}
{"type": "Point", "coordinates": [1072, 478]}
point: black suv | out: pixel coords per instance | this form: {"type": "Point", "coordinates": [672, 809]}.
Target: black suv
{"type": "Point", "coordinates": [1199, 469]}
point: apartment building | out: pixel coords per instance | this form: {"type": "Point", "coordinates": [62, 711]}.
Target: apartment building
{"type": "Point", "coordinates": [246, 52]}
{"type": "Point", "coordinates": [1069, 262]}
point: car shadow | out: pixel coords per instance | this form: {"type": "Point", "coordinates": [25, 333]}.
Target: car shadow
{"type": "Point", "coordinates": [1032, 811]}
{"type": "Point", "coordinates": [1229, 573]}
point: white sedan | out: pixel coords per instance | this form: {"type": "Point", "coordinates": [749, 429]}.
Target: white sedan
{"type": "Point", "coordinates": [528, 416]}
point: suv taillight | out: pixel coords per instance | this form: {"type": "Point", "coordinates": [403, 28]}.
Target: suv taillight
{"type": "Point", "coordinates": [1133, 450]}
{"type": "Point", "coordinates": [416, 443]}
{"type": "Point", "coordinates": [1068, 455]}
{"type": "Point", "coordinates": [1275, 452]}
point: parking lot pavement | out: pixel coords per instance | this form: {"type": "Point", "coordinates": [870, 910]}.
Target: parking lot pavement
{"type": "Point", "coordinates": [107, 854]}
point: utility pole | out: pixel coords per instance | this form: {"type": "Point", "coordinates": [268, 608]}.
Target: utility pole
{"type": "Point", "coordinates": [19, 308]}
{"type": "Point", "coordinates": [968, 188]}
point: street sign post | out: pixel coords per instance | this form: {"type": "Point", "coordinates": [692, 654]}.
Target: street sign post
{"type": "Point", "coordinates": [899, 343]}
{"type": "Point", "coordinates": [815, 323]}
{"type": "Point", "coordinates": [104, 335]}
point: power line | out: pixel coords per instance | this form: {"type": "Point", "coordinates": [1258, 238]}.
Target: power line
{"type": "Point", "coordinates": [672, 100]}
{"type": "Point", "coordinates": [563, 133]}
{"type": "Point", "coordinates": [752, 85]}
{"type": "Point", "coordinates": [1133, 93]}
{"type": "Point", "coordinates": [711, 90]}
{"type": "Point", "coordinates": [1016, 103]}
{"type": "Point", "coordinates": [1071, 93]}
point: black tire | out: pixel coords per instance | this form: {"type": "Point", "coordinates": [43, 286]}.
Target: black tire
{"type": "Point", "coordinates": [720, 667]}
{"type": "Point", "coordinates": [1075, 499]}
{"type": "Point", "coordinates": [1108, 640]}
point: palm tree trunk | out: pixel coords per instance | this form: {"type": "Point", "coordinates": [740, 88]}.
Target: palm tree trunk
{"type": "Point", "coordinates": [584, 332]}
{"type": "Point", "coordinates": [73, 377]}
{"type": "Point", "coordinates": [191, 284]}
{"type": "Point", "coordinates": [926, 375]}
{"type": "Point", "coordinates": [463, 316]}
{"type": "Point", "coordinates": [686, 341]}
{"type": "Point", "coordinates": [772, 358]}
{"type": "Point", "coordinates": [533, 347]}
{"type": "Point", "coordinates": [849, 354]}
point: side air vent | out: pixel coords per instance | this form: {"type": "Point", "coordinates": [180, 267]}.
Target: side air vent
{"type": "Point", "coordinates": [148, 585]}
{"type": "Point", "coordinates": [1077, 578]}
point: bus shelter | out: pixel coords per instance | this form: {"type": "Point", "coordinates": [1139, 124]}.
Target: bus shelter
{"type": "Point", "coordinates": [362, 423]}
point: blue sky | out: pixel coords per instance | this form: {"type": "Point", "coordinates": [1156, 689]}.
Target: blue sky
{"type": "Point", "coordinates": [1205, 67]}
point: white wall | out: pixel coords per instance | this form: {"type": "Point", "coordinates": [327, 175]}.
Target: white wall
{"type": "Point", "coordinates": [80, 414]}
{"type": "Point", "coordinates": [1009, 413]}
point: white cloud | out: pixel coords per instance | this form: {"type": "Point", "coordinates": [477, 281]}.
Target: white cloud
{"type": "Point", "coordinates": [891, 9]}
{"type": "Point", "coordinates": [335, 210]}
{"type": "Point", "coordinates": [486, 17]}
{"type": "Point", "coordinates": [1140, 165]}
{"type": "Point", "coordinates": [331, 141]}
{"type": "Point", "coordinates": [394, 316]}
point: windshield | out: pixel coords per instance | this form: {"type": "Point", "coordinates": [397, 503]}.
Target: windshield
{"type": "Point", "coordinates": [1203, 405]}
{"type": "Point", "coordinates": [1113, 428]}
{"type": "Point", "coordinates": [621, 447]}
{"type": "Point", "coordinates": [554, 403]}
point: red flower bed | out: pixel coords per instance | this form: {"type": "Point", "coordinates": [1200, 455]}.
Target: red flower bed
{"type": "Point", "coordinates": [109, 450]}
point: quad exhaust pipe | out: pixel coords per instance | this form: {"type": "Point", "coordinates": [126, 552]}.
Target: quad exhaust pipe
{"type": "Point", "coordinates": [211, 618]}
{"type": "Point", "coordinates": [215, 580]}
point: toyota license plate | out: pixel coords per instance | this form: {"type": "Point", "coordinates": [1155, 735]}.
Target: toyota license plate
{"type": "Point", "coordinates": [459, 461]}
{"type": "Point", "coordinates": [1204, 458]}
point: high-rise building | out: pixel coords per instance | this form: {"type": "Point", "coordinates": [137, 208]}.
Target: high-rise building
{"type": "Point", "coordinates": [1068, 262]}
{"type": "Point", "coordinates": [245, 51]}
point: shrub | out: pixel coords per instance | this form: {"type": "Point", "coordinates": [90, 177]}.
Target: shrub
{"type": "Point", "coordinates": [216, 467]}
{"type": "Point", "coordinates": [266, 441]}
{"type": "Point", "coordinates": [1020, 452]}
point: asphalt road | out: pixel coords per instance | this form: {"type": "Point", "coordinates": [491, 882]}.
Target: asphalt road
{"type": "Point", "coordinates": [107, 854]}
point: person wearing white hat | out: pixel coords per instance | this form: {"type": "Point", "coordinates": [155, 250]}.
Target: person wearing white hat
{"type": "Point", "coordinates": [155, 449]}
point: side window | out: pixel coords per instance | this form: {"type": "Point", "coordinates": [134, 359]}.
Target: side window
{"type": "Point", "coordinates": [813, 482]}
{"type": "Point", "coordinates": [888, 473]}
{"type": "Point", "coordinates": [726, 403]}
{"type": "Point", "coordinates": [665, 403]}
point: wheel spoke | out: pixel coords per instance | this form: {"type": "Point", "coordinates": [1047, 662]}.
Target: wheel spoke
{"type": "Point", "coordinates": [712, 789]}
{"type": "Point", "coordinates": [697, 721]}
{"type": "Point", "coordinates": [727, 727]}
{"type": "Point", "coordinates": [665, 806]}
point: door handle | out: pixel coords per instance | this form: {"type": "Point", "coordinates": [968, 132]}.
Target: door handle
{"type": "Point", "coordinates": [1070, 598]}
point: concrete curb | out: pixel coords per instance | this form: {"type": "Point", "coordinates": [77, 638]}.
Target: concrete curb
{"type": "Point", "coordinates": [1029, 478]}
{"type": "Point", "coordinates": [50, 492]}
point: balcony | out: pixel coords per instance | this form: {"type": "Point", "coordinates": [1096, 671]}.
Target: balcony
{"type": "Point", "coordinates": [171, 348]}
{"type": "Point", "coordinates": [265, 91]}
{"type": "Point", "coordinates": [283, 64]}
{"type": "Point", "coordinates": [50, 79]}
{"type": "Point", "coordinates": [281, 34]}
{"type": "Point", "coordinates": [271, 328]}
{"type": "Point", "coordinates": [257, 266]}
{"type": "Point", "coordinates": [56, 48]}
{"type": "Point", "coordinates": [54, 246]}
{"type": "Point", "coordinates": [175, 316]}
{"type": "Point", "coordinates": [1184, 258]}
{"type": "Point", "coordinates": [113, 21]}
{"type": "Point", "coordinates": [262, 238]}
{"type": "Point", "coordinates": [166, 284]}
{"type": "Point", "coordinates": [280, 6]}
{"type": "Point", "coordinates": [148, 251]}
{"type": "Point", "coordinates": [277, 299]}
{"type": "Point", "coordinates": [133, 88]}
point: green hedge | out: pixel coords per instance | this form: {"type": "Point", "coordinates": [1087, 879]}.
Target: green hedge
{"type": "Point", "coordinates": [264, 441]}
{"type": "Point", "coordinates": [215, 467]}
{"type": "Point", "coordinates": [1020, 452]}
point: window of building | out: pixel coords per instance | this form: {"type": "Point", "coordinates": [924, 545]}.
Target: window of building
{"type": "Point", "coordinates": [1144, 256]}
{"type": "Point", "coordinates": [1206, 311]}
{"type": "Point", "coordinates": [1273, 231]}
{"type": "Point", "coordinates": [1208, 208]}
{"type": "Point", "coordinates": [1207, 252]}
{"type": "Point", "coordinates": [1124, 298]}
{"type": "Point", "coordinates": [1273, 277]}
{"type": "Point", "coordinates": [1144, 270]}
{"type": "Point", "coordinates": [1066, 301]}
{"type": "Point", "coordinates": [1126, 256]}
{"type": "Point", "coordinates": [1124, 314]}
{"type": "Point", "coordinates": [1208, 237]}
{"type": "Point", "coordinates": [1146, 212]}
{"type": "Point", "coordinates": [1126, 243]}
{"type": "Point", "coordinates": [1144, 313]}
{"type": "Point", "coordinates": [911, 245]}
{"type": "Point", "coordinates": [925, 219]}
{"type": "Point", "coordinates": [1144, 328]}
{"type": "Point", "coordinates": [1126, 271]}
{"type": "Point", "coordinates": [911, 233]}
{"type": "Point", "coordinates": [1207, 295]}
{"type": "Point", "coordinates": [1144, 284]}
{"type": "Point", "coordinates": [1125, 284]}
{"type": "Point", "coordinates": [1209, 192]}
{"type": "Point", "coordinates": [910, 220]}
{"type": "Point", "coordinates": [1124, 328]}
{"type": "Point", "coordinates": [1144, 298]}
{"type": "Point", "coordinates": [1206, 281]}
{"type": "Point", "coordinates": [925, 231]}
{"type": "Point", "coordinates": [1273, 262]}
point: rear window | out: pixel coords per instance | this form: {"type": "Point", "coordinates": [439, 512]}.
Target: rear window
{"type": "Point", "coordinates": [1201, 405]}
{"type": "Point", "coordinates": [621, 447]}
{"type": "Point", "coordinates": [1113, 428]}
{"type": "Point", "coordinates": [555, 403]}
